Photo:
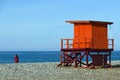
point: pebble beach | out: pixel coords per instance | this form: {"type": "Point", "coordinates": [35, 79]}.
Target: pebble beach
{"type": "Point", "coordinates": [50, 71]}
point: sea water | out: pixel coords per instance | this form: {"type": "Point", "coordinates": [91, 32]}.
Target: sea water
{"type": "Point", "coordinates": [38, 56]}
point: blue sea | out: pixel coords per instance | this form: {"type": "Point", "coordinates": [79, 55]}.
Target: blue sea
{"type": "Point", "coordinates": [38, 56]}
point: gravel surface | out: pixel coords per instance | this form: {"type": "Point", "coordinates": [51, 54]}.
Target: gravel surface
{"type": "Point", "coordinates": [50, 71]}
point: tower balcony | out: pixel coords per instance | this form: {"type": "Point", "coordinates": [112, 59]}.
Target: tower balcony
{"type": "Point", "coordinates": [87, 43]}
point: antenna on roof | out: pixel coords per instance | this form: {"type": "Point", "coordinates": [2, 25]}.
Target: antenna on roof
{"type": "Point", "coordinates": [110, 34]}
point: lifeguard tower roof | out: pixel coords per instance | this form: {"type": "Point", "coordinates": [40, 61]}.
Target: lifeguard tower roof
{"type": "Point", "coordinates": [88, 21]}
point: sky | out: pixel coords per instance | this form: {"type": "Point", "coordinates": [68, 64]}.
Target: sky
{"type": "Point", "coordinates": [35, 25]}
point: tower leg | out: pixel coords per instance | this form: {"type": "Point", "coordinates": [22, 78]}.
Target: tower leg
{"type": "Point", "coordinates": [110, 58]}
{"type": "Point", "coordinates": [80, 60]}
{"type": "Point", "coordinates": [87, 58]}
{"type": "Point", "coordinates": [75, 60]}
{"type": "Point", "coordinates": [62, 58]}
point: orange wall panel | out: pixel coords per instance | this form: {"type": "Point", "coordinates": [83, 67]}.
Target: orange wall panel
{"type": "Point", "coordinates": [99, 34]}
{"type": "Point", "coordinates": [81, 33]}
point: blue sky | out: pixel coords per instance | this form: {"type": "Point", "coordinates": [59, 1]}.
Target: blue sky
{"type": "Point", "coordinates": [40, 24]}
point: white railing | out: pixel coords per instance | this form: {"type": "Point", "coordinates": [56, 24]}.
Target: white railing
{"type": "Point", "coordinates": [70, 43]}
{"type": "Point", "coordinates": [88, 43]}
{"type": "Point", "coordinates": [110, 43]}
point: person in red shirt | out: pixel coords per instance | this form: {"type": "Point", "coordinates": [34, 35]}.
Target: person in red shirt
{"type": "Point", "coordinates": [16, 58]}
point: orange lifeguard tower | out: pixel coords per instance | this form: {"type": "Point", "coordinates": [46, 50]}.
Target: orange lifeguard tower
{"type": "Point", "coordinates": [90, 41]}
